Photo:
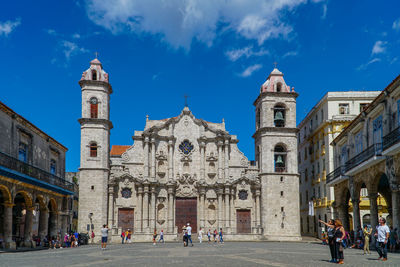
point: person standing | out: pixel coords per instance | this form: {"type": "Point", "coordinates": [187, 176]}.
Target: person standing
{"type": "Point", "coordinates": [215, 235]}
{"type": "Point", "coordinates": [339, 235]}
{"type": "Point", "coordinates": [331, 240]}
{"type": "Point", "coordinates": [123, 236]}
{"type": "Point", "coordinates": [209, 235]}
{"type": "Point", "coordinates": [221, 240]}
{"type": "Point", "coordinates": [200, 233]}
{"type": "Point", "coordinates": [154, 236]}
{"type": "Point", "coordinates": [189, 233]}
{"type": "Point", "coordinates": [161, 236]}
{"type": "Point", "coordinates": [104, 236]}
{"type": "Point", "coordinates": [392, 240]}
{"type": "Point", "coordinates": [92, 236]}
{"type": "Point", "coordinates": [129, 236]}
{"type": "Point", "coordinates": [382, 235]}
{"type": "Point", "coordinates": [367, 234]}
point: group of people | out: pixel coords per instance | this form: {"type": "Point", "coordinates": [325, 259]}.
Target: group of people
{"type": "Point", "coordinates": [336, 236]}
{"type": "Point", "coordinates": [187, 235]}
{"type": "Point", "coordinates": [71, 239]}
{"type": "Point", "coordinates": [126, 236]}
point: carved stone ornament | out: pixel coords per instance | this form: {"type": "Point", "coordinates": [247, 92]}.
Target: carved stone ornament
{"type": "Point", "coordinates": [211, 222]}
{"type": "Point", "coordinates": [243, 194]}
{"type": "Point", "coordinates": [126, 192]}
{"type": "Point", "coordinates": [125, 157]}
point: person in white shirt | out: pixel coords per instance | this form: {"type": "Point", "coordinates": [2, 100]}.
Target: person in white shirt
{"type": "Point", "coordinates": [104, 235]}
{"type": "Point", "coordinates": [382, 235]}
{"type": "Point", "coordinates": [189, 231]}
{"type": "Point", "coordinates": [200, 233]}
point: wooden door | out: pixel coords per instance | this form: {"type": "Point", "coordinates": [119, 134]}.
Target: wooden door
{"type": "Point", "coordinates": [243, 221]}
{"type": "Point", "coordinates": [125, 219]}
{"type": "Point", "coordinates": [186, 212]}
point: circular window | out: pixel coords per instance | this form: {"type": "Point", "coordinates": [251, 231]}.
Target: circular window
{"type": "Point", "coordinates": [186, 147]}
{"type": "Point", "coordinates": [243, 194]}
{"type": "Point", "coordinates": [126, 192]}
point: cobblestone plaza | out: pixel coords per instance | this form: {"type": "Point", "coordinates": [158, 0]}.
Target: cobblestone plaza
{"type": "Point", "coordinates": [173, 254]}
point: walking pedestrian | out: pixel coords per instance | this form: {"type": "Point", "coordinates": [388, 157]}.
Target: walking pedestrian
{"type": "Point", "coordinates": [200, 233]}
{"type": "Point", "coordinates": [221, 240]}
{"type": "Point", "coordinates": [392, 240]}
{"type": "Point", "coordinates": [209, 235]}
{"type": "Point", "coordinates": [123, 236]}
{"type": "Point", "coordinates": [367, 234]}
{"type": "Point", "coordinates": [215, 235]}
{"type": "Point", "coordinates": [382, 235]}
{"type": "Point", "coordinates": [184, 236]}
{"type": "Point", "coordinates": [189, 233]}
{"type": "Point", "coordinates": [161, 236]}
{"type": "Point", "coordinates": [129, 236]}
{"type": "Point", "coordinates": [331, 240]}
{"type": "Point", "coordinates": [154, 236]}
{"type": "Point", "coordinates": [339, 236]}
{"type": "Point", "coordinates": [104, 236]}
{"type": "Point", "coordinates": [92, 236]}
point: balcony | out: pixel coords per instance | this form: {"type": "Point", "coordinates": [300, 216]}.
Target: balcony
{"type": "Point", "coordinates": [336, 176]}
{"type": "Point", "coordinates": [24, 168]}
{"type": "Point", "coordinates": [365, 159]}
{"type": "Point", "coordinates": [391, 144]}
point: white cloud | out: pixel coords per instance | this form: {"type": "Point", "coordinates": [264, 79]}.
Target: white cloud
{"type": "Point", "coordinates": [76, 36]}
{"type": "Point", "coordinates": [71, 49]}
{"type": "Point", "coordinates": [51, 32]}
{"type": "Point", "coordinates": [178, 22]}
{"type": "Point", "coordinates": [249, 70]}
{"type": "Point", "coordinates": [364, 66]}
{"type": "Point", "coordinates": [324, 11]}
{"type": "Point", "coordinates": [379, 47]}
{"type": "Point", "coordinates": [247, 52]}
{"type": "Point", "coordinates": [290, 54]}
{"type": "Point", "coordinates": [396, 24]}
{"type": "Point", "coordinates": [8, 26]}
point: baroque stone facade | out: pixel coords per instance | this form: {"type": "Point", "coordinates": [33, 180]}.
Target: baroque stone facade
{"type": "Point", "coordinates": [187, 170]}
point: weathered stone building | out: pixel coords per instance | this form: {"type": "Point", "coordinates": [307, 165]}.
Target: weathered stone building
{"type": "Point", "coordinates": [35, 199]}
{"type": "Point", "coordinates": [187, 170]}
{"type": "Point", "coordinates": [367, 160]}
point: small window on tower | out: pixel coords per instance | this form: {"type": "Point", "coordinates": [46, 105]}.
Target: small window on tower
{"type": "Point", "coordinates": [94, 75]}
{"type": "Point", "coordinates": [94, 108]}
{"type": "Point", "coordinates": [93, 149]}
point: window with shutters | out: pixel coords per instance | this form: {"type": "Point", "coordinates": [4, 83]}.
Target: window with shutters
{"type": "Point", "coordinates": [93, 149]}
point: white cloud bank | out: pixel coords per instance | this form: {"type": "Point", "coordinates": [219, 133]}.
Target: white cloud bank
{"type": "Point", "coordinates": [249, 70]}
{"type": "Point", "coordinates": [379, 47]}
{"type": "Point", "coordinates": [8, 26]}
{"type": "Point", "coordinates": [178, 22]}
{"type": "Point", "coordinates": [246, 52]}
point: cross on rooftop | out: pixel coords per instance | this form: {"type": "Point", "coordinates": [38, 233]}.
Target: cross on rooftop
{"type": "Point", "coordinates": [96, 54]}
{"type": "Point", "coordinates": [275, 63]}
{"type": "Point", "coordinates": [186, 97]}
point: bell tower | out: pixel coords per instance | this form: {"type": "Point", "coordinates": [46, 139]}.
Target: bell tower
{"type": "Point", "coordinates": [276, 156]}
{"type": "Point", "coordinates": [95, 149]}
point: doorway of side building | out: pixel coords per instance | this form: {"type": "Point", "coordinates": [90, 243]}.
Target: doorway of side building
{"type": "Point", "coordinates": [243, 221]}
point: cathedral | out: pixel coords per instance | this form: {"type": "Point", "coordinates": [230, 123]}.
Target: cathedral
{"type": "Point", "coordinates": [184, 169]}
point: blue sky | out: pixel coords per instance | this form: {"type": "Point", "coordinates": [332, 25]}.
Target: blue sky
{"type": "Point", "coordinates": [217, 52]}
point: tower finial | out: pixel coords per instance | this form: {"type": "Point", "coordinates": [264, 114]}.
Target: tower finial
{"type": "Point", "coordinates": [275, 64]}
{"type": "Point", "coordinates": [96, 54]}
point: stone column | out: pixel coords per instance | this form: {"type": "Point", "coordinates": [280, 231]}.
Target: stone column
{"type": "Point", "coordinates": [396, 209]}
{"type": "Point", "coordinates": [356, 214]}
{"type": "Point", "coordinates": [373, 210]}
{"type": "Point", "coordinates": [146, 209]}
{"type": "Point", "coordinates": [146, 157]}
{"type": "Point", "coordinates": [226, 162]}
{"type": "Point", "coordinates": [7, 226]}
{"type": "Point", "coordinates": [153, 158]}
{"type": "Point", "coordinates": [111, 207]}
{"type": "Point", "coordinates": [201, 207]}
{"type": "Point", "coordinates": [28, 227]}
{"type": "Point", "coordinates": [171, 159]}
{"type": "Point", "coordinates": [220, 143]}
{"type": "Point", "coordinates": [139, 222]}
{"type": "Point", "coordinates": [153, 209]}
{"type": "Point", "coordinates": [258, 208]}
{"type": "Point", "coordinates": [170, 209]}
{"type": "Point", "coordinates": [227, 215]}
{"type": "Point", "coordinates": [43, 222]}
{"type": "Point", "coordinates": [232, 211]}
{"type": "Point", "coordinates": [220, 211]}
{"type": "Point", "coordinates": [54, 223]}
{"type": "Point", "coordinates": [202, 160]}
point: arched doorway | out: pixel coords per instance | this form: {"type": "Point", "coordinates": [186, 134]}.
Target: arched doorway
{"type": "Point", "coordinates": [52, 219]}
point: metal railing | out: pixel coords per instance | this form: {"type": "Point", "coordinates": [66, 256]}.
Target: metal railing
{"type": "Point", "coordinates": [34, 172]}
{"type": "Point", "coordinates": [335, 174]}
{"type": "Point", "coordinates": [374, 150]}
{"type": "Point", "coordinates": [391, 138]}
